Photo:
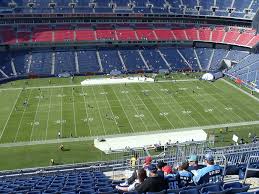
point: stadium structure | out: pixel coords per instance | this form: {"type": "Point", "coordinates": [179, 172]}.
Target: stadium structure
{"type": "Point", "coordinates": [123, 79]}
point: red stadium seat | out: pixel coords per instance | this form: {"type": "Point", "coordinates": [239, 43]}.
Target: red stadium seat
{"type": "Point", "coordinates": [192, 34]}
{"type": "Point", "coordinates": [86, 34]}
{"type": "Point", "coordinates": [126, 34]}
{"type": "Point", "coordinates": [179, 34]}
{"type": "Point", "coordinates": [231, 36]}
{"type": "Point", "coordinates": [164, 34]}
{"type": "Point", "coordinates": [204, 34]}
{"type": "Point", "coordinates": [218, 34]}
{"type": "Point", "coordinates": [145, 34]}
{"type": "Point", "coordinates": [105, 34]}
{"type": "Point", "coordinates": [63, 35]}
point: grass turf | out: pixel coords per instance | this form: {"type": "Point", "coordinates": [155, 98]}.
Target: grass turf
{"type": "Point", "coordinates": [110, 109]}
{"type": "Point", "coordinates": [115, 109]}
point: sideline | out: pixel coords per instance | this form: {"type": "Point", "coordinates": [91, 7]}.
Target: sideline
{"type": "Point", "coordinates": [79, 85]}
{"type": "Point", "coordinates": [67, 140]}
{"type": "Point", "coordinates": [241, 90]}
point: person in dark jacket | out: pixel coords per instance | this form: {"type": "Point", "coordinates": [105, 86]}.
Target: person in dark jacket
{"type": "Point", "coordinates": [153, 182]}
{"type": "Point", "coordinates": [160, 166]}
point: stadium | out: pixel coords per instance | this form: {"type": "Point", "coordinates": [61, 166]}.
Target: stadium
{"type": "Point", "coordinates": [129, 96]}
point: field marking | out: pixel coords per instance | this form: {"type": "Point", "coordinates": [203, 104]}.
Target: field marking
{"type": "Point", "coordinates": [143, 103]}
{"type": "Point", "coordinates": [222, 104]}
{"type": "Point", "coordinates": [243, 91]}
{"type": "Point", "coordinates": [24, 110]}
{"type": "Point", "coordinates": [74, 112]}
{"type": "Point", "coordinates": [79, 85]}
{"type": "Point", "coordinates": [47, 125]}
{"type": "Point", "coordinates": [61, 112]}
{"type": "Point", "coordinates": [99, 111]}
{"type": "Point", "coordinates": [193, 97]}
{"type": "Point", "coordinates": [35, 116]}
{"type": "Point", "coordinates": [123, 110]}
{"type": "Point", "coordinates": [86, 112]}
{"type": "Point", "coordinates": [109, 105]}
{"type": "Point", "coordinates": [215, 116]}
{"type": "Point", "coordinates": [159, 108]}
{"type": "Point", "coordinates": [3, 130]}
{"type": "Point", "coordinates": [181, 107]}
{"type": "Point", "coordinates": [220, 110]}
{"type": "Point", "coordinates": [141, 118]}
{"type": "Point", "coordinates": [54, 141]}
{"type": "Point", "coordinates": [235, 106]}
{"type": "Point", "coordinates": [170, 104]}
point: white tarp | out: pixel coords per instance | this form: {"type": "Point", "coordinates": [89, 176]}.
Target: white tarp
{"type": "Point", "coordinates": [208, 77]}
{"type": "Point", "coordinates": [146, 140]}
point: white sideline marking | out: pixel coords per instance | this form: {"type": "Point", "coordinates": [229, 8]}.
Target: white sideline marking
{"type": "Point", "coordinates": [54, 141]}
{"type": "Point", "coordinates": [234, 86]}
{"type": "Point", "coordinates": [10, 114]}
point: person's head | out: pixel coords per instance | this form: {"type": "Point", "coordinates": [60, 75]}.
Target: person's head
{"type": "Point", "coordinates": [148, 160]}
{"type": "Point", "coordinates": [167, 170]}
{"type": "Point", "coordinates": [142, 174]}
{"type": "Point", "coordinates": [151, 170]}
{"type": "Point", "coordinates": [193, 160]}
{"type": "Point", "coordinates": [209, 159]}
{"type": "Point", "coordinates": [160, 165]}
{"type": "Point", "coordinates": [184, 166]}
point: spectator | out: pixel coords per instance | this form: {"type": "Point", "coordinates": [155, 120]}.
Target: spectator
{"type": "Point", "coordinates": [153, 182]}
{"type": "Point", "coordinates": [210, 173]}
{"type": "Point", "coordinates": [168, 174]}
{"type": "Point", "coordinates": [141, 176]}
{"type": "Point", "coordinates": [193, 163]}
{"type": "Point", "coordinates": [133, 161]}
{"type": "Point", "coordinates": [160, 166]}
{"type": "Point", "coordinates": [133, 177]}
{"type": "Point", "coordinates": [148, 161]}
{"type": "Point", "coordinates": [185, 176]}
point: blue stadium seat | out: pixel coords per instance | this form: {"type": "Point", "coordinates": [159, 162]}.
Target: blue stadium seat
{"type": "Point", "coordinates": [236, 187]}
{"type": "Point", "coordinates": [190, 191]}
{"type": "Point", "coordinates": [211, 188]}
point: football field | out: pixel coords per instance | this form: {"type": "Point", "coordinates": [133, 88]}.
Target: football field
{"type": "Point", "coordinates": [40, 113]}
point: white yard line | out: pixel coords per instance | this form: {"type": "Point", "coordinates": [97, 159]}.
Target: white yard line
{"type": "Point", "coordinates": [123, 110]}
{"type": "Point", "coordinates": [74, 112]}
{"type": "Point", "coordinates": [108, 102]}
{"type": "Point", "coordinates": [196, 108]}
{"type": "Point", "coordinates": [24, 110]}
{"type": "Point", "coordinates": [237, 107]}
{"type": "Point", "coordinates": [99, 112]}
{"type": "Point", "coordinates": [173, 108]}
{"type": "Point", "coordinates": [183, 109]}
{"type": "Point", "coordinates": [53, 141]}
{"type": "Point", "coordinates": [158, 107]}
{"type": "Point", "coordinates": [47, 125]}
{"type": "Point", "coordinates": [35, 116]}
{"type": "Point", "coordinates": [150, 112]}
{"type": "Point", "coordinates": [3, 130]}
{"type": "Point", "coordinates": [135, 108]}
{"type": "Point", "coordinates": [223, 105]}
{"type": "Point", "coordinates": [61, 111]}
{"type": "Point", "coordinates": [220, 104]}
{"type": "Point", "coordinates": [86, 114]}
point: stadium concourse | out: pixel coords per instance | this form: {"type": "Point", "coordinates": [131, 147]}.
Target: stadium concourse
{"type": "Point", "coordinates": [112, 69]}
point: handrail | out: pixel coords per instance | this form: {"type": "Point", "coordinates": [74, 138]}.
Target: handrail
{"type": "Point", "coordinates": [250, 169]}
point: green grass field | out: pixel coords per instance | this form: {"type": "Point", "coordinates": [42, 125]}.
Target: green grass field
{"type": "Point", "coordinates": [90, 111]}
{"type": "Point", "coordinates": [118, 109]}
